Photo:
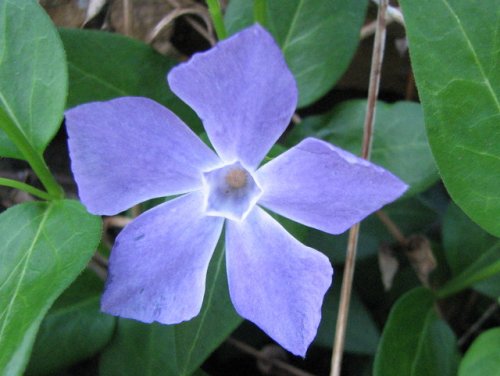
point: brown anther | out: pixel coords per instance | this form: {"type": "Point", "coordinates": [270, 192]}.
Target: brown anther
{"type": "Point", "coordinates": [236, 178]}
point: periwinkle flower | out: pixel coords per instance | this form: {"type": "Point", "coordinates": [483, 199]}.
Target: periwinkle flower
{"type": "Point", "coordinates": [127, 150]}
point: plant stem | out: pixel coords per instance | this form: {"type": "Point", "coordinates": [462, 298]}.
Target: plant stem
{"type": "Point", "coordinates": [392, 227]}
{"type": "Point", "coordinates": [345, 294]}
{"type": "Point", "coordinates": [127, 17]}
{"type": "Point", "coordinates": [477, 325]}
{"type": "Point", "coordinates": [216, 13]}
{"type": "Point", "coordinates": [288, 368]}
{"type": "Point", "coordinates": [345, 297]}
{"type": "Point", "coordinates": [467, 279]}
{"type": "Point", "coordinates": [259, 11]}
{"type": "Point", "coordinates": [375, 74]}
{"type": "Point", "coordinates": [25, 187]}
{"type": "Point", "coordinates": [32, 156]}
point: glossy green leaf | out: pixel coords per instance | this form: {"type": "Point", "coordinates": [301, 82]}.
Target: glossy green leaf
{"type": "Point", "coordinates": [483, 356]}
{"type": "Point", "coordinates": [485, 267]}
{"type": "Point", "coordinates": [33, 76]}
{"type": "Point", "coordinates": [44, 248]}
{"type": "Point", "coordinates": [411, 215]}
{"type": "Point", "coordinates": [198, 338]}
{"type": "Point", "coordinates": [103, 66]}
{"type": "Point", "coordinates": [454, 52]}
{"type": "Point", "coordinates": [318, 38]}
{"type": "Point", "coordinates": [140, 349]}
{"type": "Point", "coordinates": [239, 15]}
{"type": "Point", "coordinates": [175, 349]}
{"type": "Point", "coordinates": [399, 142]}
{"type": "Point", "coordinates": [467, 247]}
{"type": "Point", "coordinates": [362, 334]}
{"type": "Point", "coordinates": [415, 341]}
{"type": "Point", "coordinates": [74, 328]}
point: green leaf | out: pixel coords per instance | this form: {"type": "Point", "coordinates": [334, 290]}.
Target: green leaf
{"type": "Point", "coordinates": [140, 349]}
{"type": "Point", "coordinates": [239, 15]}
{"type": "Point", "coordinates": [454, 52]}
{"type": "Point", "coordinates": [33, 76]}
{"type": "Point", "coordinates": [482, 357]}
{"type": "Point", "coordinates": [318, 38]}
{"type": "Point", "coordinates": [175, 349]}
{"type": "Point", "coordinates": [415, 340]}
{"type": "Point", "coordinates": [362, 334]}
{"type": "Point", "coordinates": [103, 66]}
{"type": "Point", "coordinates": [411, 216]}
{"type": "Point", "coordinates": [74, 326]}
{"type": "Point", "coordinates": [399, 142]}
{"type": "Point", "coordinates": [200, 372]}
{"type": "Point", "coordinates": [198, 338]}
{"type": "Point", "coordinates": [44, 247]}
{"type": "Point", "coordinates": [468, 247]}
{"type": "Point", "coordinates": [485, 267]}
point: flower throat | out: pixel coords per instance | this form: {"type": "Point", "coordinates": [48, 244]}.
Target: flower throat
{"type": "Point", "coordinates": [236, 178]}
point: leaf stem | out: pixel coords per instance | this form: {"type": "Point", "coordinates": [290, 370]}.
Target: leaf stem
{"type": "Point", "coordinates": [259, 11]}
{"type": "Point", "coordinates": [216, 13]}
{"type": "Point", "coordinates": [25, 187]}
{"type": "Point", "coordinates": [33, 157]}
{"type": "Point", "coordinates": [467, 279]}
{"type": "Point", "coordinates": [345, 294]}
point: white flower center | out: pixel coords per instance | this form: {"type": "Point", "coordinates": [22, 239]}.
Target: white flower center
{"type": "Point", "coordinates": [230, 191]}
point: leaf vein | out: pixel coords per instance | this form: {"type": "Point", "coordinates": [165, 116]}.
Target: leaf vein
{"type": "Point", "coordinates": [29, 252]}
{"type": "Point", "coordinates": [474, 54]}
{"type": "Point", "coordinates": [97, 79]}
{"type": "Point", "coordinates": [292, 24]}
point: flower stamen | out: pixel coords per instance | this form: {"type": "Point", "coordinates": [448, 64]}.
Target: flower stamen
{"type": "Point", "coordinates": [236, 178]}
{"type": "Point", "coordinates": [231, 191]}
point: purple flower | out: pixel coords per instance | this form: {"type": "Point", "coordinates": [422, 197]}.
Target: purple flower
{"type": "Point", "coordinates": [130, 149]}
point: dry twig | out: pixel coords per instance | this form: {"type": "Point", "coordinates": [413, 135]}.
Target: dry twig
{"type": "Point", "coordinates": [294, 371]}
{"type": "Point", "coordinates": [196, 10]}
{"type": "Point", "coordinates": [345, 295]}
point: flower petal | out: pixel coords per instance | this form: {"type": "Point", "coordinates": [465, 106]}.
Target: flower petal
{"type": "Point", "coordinates": [243, 91]}
{"type": "Point", "coordinates": [159, 263]}
{"type": "Point", "coordinates": [325, 187]}
{"type": "Point", "coordinates": [131, 149]}
{"type": "Point", "coordinates": [275, 281]}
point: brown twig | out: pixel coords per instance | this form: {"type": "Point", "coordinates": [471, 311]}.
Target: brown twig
{"type": "Point", "coordinates": [393, 14]}
{"type": "Point", "coordinates": [375, 74]}
{"type": "Point", "coordinates": [178, 12]}
{"type": "Point", "coordinates": [208, 33]}
{"type": "Point", "coordinates": [127, 17]}
{"type": "Point", "coordinates": [345, 295]}
{"type": "Point", "coordinates": [477, 325]}
{"type": "Point", "coordinates": [243, 347]}
{"type": "Point", "coordinates": [101, 260]}
{"type": "Point", "coordinates": [99, 265]}
{"type": "Point", "coordinates": [119, 221]}
{"type": "Point", "coordinates": [410, 87]}
{"type": "Point", "coordinates": [392, 227]}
